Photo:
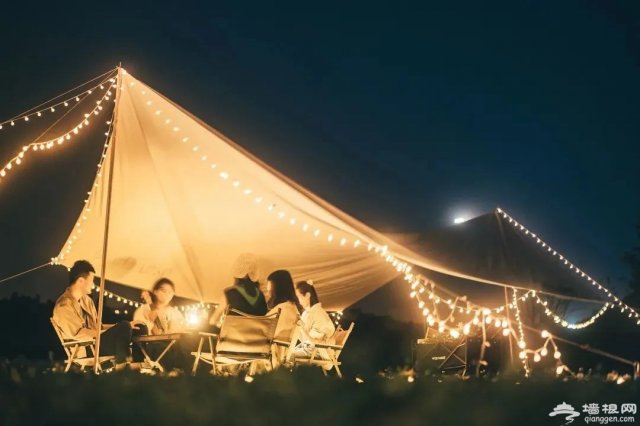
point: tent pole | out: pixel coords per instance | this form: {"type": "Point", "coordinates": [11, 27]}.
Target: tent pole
{"type": "Point", "coordinates": [103, 266]}
{"type": "Point", "coordinates": [506, 302]}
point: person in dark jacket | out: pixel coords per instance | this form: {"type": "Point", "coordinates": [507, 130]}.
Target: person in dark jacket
{"type": "Point", "coordinates": [244, 295]}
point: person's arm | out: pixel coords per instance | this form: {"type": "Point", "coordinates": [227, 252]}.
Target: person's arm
{"type": "Point", "coordinates": [321, 325]}
{"type": "Point", "coordinates": [140, 318]}
{"type": "Point", "coordinates": [67, 319]}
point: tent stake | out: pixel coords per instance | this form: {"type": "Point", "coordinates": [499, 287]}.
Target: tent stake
{"type": "Point", "coordinates": [103, 266]}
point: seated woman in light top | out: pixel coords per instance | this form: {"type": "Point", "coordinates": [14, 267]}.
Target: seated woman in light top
{"type": "Point", "coordinates": [160, 316]}
{"type": "Point", "coordinates": [282, 296]}
{"type": "Point", "coordinates": [316, 325]}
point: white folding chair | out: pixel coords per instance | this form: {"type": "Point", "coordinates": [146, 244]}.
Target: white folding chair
{"type": "Point", "coordinates": [76, 351]}
{"type": "Point", "coordinates": [326, 355]}
{"type": "Point", "coordinates": [243, 339]}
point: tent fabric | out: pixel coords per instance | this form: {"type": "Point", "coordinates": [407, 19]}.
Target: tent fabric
{"type": "Point", "coordinates": [490, 248]}
{"type": "Point", "coordinates": [186, 202]}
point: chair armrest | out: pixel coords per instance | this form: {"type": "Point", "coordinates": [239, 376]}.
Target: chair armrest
{"type": "Point", "coordinates": [205, 334]}
{"type": "Point", "coordinates": [78, 342]}
{"type": "Point", "coordinates": [281, 343]}
{"type": "Point", "coordinates": [327, 346]}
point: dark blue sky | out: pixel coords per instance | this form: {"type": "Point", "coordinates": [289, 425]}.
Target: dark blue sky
{"type": "Point", "coordinates": [403, 116]}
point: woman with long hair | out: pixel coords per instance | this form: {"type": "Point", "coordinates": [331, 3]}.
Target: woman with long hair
{"type": "Point", "coordinates": [282, 296]}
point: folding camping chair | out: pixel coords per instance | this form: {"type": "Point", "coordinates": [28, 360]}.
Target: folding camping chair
{"type": "Point", "coordinates": [326, 355]}
{"type": "Point", "coordinates": [168, 340]}
{"type": "Point", "coordinates": [243, 339]}
{"type": "Point", "coordinates": [73, 349]}
{"type": "Point", "coordinates": [284, 349]}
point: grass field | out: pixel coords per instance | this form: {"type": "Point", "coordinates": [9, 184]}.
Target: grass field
{"type": "Point", "coordinates": [305, 397]}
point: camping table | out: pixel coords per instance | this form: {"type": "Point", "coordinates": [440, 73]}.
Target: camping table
{"type": "Point", "coordinates": [167, 339]}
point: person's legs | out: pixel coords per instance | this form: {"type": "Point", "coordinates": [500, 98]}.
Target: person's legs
{"type": "Point", "coordinates": [136, 353]}
{"type": "Point", "coordinates": [116, 341]}
{"type": "Point", "coordinates": [187, 343]}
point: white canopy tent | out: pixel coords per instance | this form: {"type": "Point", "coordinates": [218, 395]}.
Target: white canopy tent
{"type": "Point", "coordinates": [186, 201]}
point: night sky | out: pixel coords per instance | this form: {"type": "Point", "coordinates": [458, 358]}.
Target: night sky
{"type": "Point", "coordinates": [402, 116]}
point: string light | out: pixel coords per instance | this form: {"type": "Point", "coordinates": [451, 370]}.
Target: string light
{"type": "Point", "coordinates": [52, 108]}
{"type": "Point", "coordinates": [574, 326]}
{"type": "Point", "coordinates": [336, 317]}
{"type": "Point", "coordinates": [77, 229]}
{"type": "Point", "coordinates": [572, 267]}
{"type": "Point", "coordinates": [521, 342]}
{"type": "Point", "coordinates": [45, 145]}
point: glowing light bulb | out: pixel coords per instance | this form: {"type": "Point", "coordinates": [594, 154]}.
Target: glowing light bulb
{"type": "Point", "coordinates": [536, 358]}
{"type": "Point", "coordinates": [545, 334]}
{"type": "Point", "coordinates": [557, 354]}
{"type": "Point", "coordinates": [193, 318]}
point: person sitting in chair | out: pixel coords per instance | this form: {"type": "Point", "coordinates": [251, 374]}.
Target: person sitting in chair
{"type": "Point", "coordinates": [75, 315]}
{"type": "Point", "coordinates": [245, 295]}
{"type": "Point", "coordinates": [282, 296]}
{"type": "Point", "coordinates": [160, 316]}
{"type": "Point", "coordinates": [316, 324]}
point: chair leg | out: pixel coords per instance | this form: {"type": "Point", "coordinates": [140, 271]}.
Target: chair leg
{"type": "Point", "coordinates": [71, 358]}
{"type": "Point", "coordinates": [197, 360]}
{"type": "Point", "coordinates": [338, 372]}
{"type": "Point", "coordinates": [213, 355]}
{"type": "Point", "coordinates": [334, 361]}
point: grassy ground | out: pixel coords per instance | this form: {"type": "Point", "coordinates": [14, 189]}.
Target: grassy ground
{"type": "Point", "coordinates": [306, 397]}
